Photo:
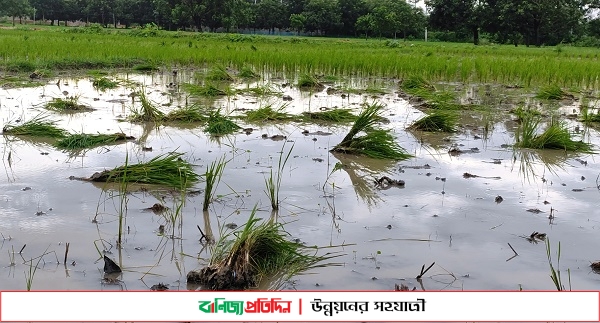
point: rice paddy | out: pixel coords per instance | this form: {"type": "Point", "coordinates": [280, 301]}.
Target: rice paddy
{"type": "Point", "coordinates": [348, 108]}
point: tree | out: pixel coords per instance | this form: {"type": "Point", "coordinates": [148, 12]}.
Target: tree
{"type": "Point", "coordinates": [297, 22]}
{"type": "Point", "coordinates": [365, 23]}
{"type": "Point", "coordinates": [322, 16]}
{"type": "Point", "coordinates": [15, 8]}
{"type": "Point", "coordinates": [459, 16]}
{"type": "Point", "coordinates": [351, 10]}
{"type": "Point", "coordinates": [271, 14]}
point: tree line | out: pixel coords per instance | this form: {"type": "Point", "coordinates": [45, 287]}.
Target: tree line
{"type": "Point", "coordinates": [529, 22]}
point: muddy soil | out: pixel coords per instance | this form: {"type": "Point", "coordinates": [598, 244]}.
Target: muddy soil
{"type": "Point", "coordinates": [438, 215]}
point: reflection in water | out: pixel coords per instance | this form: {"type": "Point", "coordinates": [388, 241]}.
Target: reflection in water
{"type": "Point", "coordinates": [530, 161]}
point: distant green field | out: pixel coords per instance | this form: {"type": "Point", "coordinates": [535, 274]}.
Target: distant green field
{"type": "Point", "coordinates": [27, 50]}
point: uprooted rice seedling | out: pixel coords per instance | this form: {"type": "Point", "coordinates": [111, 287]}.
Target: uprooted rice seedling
{"type": "Point", "coordinates": [219, 125]}
{"type": "Point", "coordinates": [309, 82]}
{"type": "Point", "coordinates": [148, 112]}
{"type": "Point", "coordinates": [84, 141]}
{"type": "Point", "coordinates": [556, 136]}
{"type": "Point", "coordinates": [436, 121]}
{"type": "Point", "coordinates": [166, 170]}
{"type": "Point", "coordinates": [220, 74]}
{"type": "Point", "coordinates": [212, 176]}
{"type": "Point", "coordinates": [553, 92]}
{"type": "Point", "coordinates": [207, 90]}
{"type": "Point", "coordinates": [587, 115]}
{"type": "Point", "coordinates": [247, 73]}
{"type": "Point", "coordinates": [103, 83]}
{"type": "Point", "coordinates": [333, 115]}
{"type": "Point", "coordinates": [375, 143]}
{"type": "Point", "coordinates": [268, 113]}
{"type": "Point", "coordinates": [261, 91]}
{"type": "Point", "coordinates": [415, 83]}
{"type": "Point", "coordinates": [255, 253]}
{"type": "Point", "coordinates": [68, 104]}
{"type": "Point", "coordinates": [39, 126]}
{"type": "Point", "coordinates": [191, 113]}
{"type": "Point", "coordinates": [145, 67]}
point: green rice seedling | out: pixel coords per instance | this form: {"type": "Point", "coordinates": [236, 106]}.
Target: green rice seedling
{"type": "Point", "coordinates": [104, 83]}
{"type": "Point", "coordinates": [333, 115]}
{"type": "Point", "coordinates": [247, 73]}
{"type": "Point", "coordinates": [166, 170]}
{"type": "Point", "coordinates": [148, 111]}
{"type": "Point", "coordinates": [85, 141]}
{"type": "Point", "coordinates": [220, 74]}
{"type": "Point", "coordinates": [375, 143]}
{"type": "Point", "coordinates": [273, 183]}
{"type": "Point", "coordinates": [556, 136]}
{"type": "Point", "coordinates": [29, 276]}
{"type": "Point", "coordinates": [219, 125]}
{"type": "Point", "coordinates": [555, 273]}
{"type": "Point", "coordinates": [68, 104]}
{"type": "Point", "coordinates": [192, 113]}
{"type": "Point", "coordinates": [415, 83]}
{"type": "Point", "coordinates": [262, 91]}
{"type": "Point", "coordinates": [587, 116]}
{"type": "Point", "coordinates": [145, 67]}
{"type": "Point", "coordinates": [39, 126]}
{"type": "Point", "coordinates": [552, 92]}
{"type": "Point", "coordinates": [213, 175]}
{"type": "Point", "coordinates": [256, 252]}
{"type": "Point", "coordinates": [523, 113]}
{"type": "Point", "coordinates": [436, 121]}
{"type": "Point", "coordinates": [207, 90]}
{"type": "Point", "coordinates": [268, 113]}
{"type": "Point", "coordinates": [309, 82]}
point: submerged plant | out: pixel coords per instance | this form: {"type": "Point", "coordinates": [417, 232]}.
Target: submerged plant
{"type": "Point", "coordinates": [39, 126]}
{"type": "Point", "coordinates": [374, 143]}
{"type": "Point", "coordinates": [333, 115]}
{"type": "Point", "coordinates": [258, 251]}
{"type": "Point", "coordinates": [436, 121]}
{"type": "Point", "coordinates": [83, 141]}
{"type": "Point", "coordinates": [268, 113]}
{"type": "Point", "coordinates": [219, 124]}
{"type": "Point", "coordinates": [166, 169]}
{"type": "Point", "coordinates": [213, 175]}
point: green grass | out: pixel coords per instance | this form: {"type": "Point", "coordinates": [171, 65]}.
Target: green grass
{"type": "Point", "coordinates": [556, 136]}
{"type": "Point", "coordinates": [55, 49]}
{"type": "Point", "coordinates": [219, 125]}
{"type": "Point", "coordinates": [437, 121]}
{"type": "Point", "coordinates": [256, 252]}
{"type": "Point", "coordinates": [84, 141]}
{"type": "Point", "coordinates": [103, 83]}
{"type": "Point", "coordinates": [68, 104]}
{"type": "Point", "coordinates": [552, 92]}
{"type": "Point", "coordinates": [39, 126]}
{"type": "Point", "coordinates": [268, 113]}
{"type": "Point", "coordinates": [375, 143]}
{"type": "Point", "coordinates": [168, 170]}
{"type": "Point", "coordinates": [333, 115]}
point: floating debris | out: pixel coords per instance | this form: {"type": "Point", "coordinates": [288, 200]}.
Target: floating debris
{"type": "Point", "coordinates": [536, 211]}
{"type": "Point", "coordinates": [498, 199]}
{"type": "Point", "coordinates": [469, 175]}
{"type": "Point", "coordinates": [385, 182]}
{"type": "Point", "coordinates": [159, 287]}
{"type": "Point", "coordinates": [110, 267]}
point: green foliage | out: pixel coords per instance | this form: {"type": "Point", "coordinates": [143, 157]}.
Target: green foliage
{"type": "Point", "coordinates": [552, 92]}
{"type": "Point", "coordinates": [219, 73]}
{"type": "Point", "coordinates": [556, 136]}
{"type": "Point", "coordinates": [104, 83]}
{"type": "Point", "coordinates": [68, 104]}
{"type": "Point", "coordinates": [39, 126]}
{"type": "Point", "coordinates": [436, 121]}
{"type": "Point", "coordinates": [268, 113]}
{"type": "Point", "coordinates": [247, 73]}
{"type": "Point", "coordinates": [219, 125]}
{"type": "Point", "coordinates": [334, 115]}
{"type": "Point", "coordinates": [308, 81]}
{"type": "Point", "coordinates": [415, 84]}
{"type": "Point", "coordinates": [588, 116]}
{"type": "Point", "coordinates": [168, 170]}
{"type": "Point", "coordinates": [85, 141]}
{"type": "Point", "coordinates": [145, 67]}
{"type": "Point", "coordinates": [207, 90]}
{"type": "Point", "coordinates": [192, 113]}
{"type": "Point", "coordinates": [148, 111]}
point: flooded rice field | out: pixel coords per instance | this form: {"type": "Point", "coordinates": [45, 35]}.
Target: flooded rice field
{"type": "Point", "coordinates": [467, 195]}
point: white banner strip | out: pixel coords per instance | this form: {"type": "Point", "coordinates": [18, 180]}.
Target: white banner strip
{"type": "Point", "coordinates": [303, 306]}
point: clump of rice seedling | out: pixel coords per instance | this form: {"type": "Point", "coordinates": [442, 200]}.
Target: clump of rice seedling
{"type": "Point", "coordinates": [213, 175]}
{"type": "Point", "coordinates": [148, 112]}
{"type": "Point", "coordinates": [39, 126]}
{"type": "Point", "coordinates": [307, 81]}
{"type": "Point", "coordinates": [68, 104]}
{"type": "Point", "coordinates": [207, 89]}
{"type": "Point", "coordinates": [219, 125]}
{"type": "Point", "coordinates": [334, 115]}
{"type": "Point", "coordinates": [436, 121]}
{"type": "Point", "coordinates": [272, 183]}
{"type": "Point", "coordinates": [255, 252]}
{"type": "Point", "coordinates": [145, 67]}
{"type": "Point", "coordinates": [414, 83]}
{"type": "Point", "coordinates": [264, 90]}
{"type": "Point", "coordinates": [375, 143]}
{"type": "Point", "coordinates": [219, 73]}
{"type": "Point", "coordinates": [84, 141]}
{"type": "Point", "coordinates": [247, 73]}
{"type": "Point", "coordinates": [556, 136]}
{"type": "Point", "coordinates": [192, 113]}
{"type": "Point", "coordinates": [522, 113]}
{"type": "Point", "coordinates": [552, 92]}
{"type": "Point", "coordinates": [268, 113]}
{"type": "Point", "coordinates": [166, 170]}
{"type": "Point", "coordinates": [587, 116]}
{"type": "Point", "coordinates": [104, 83]}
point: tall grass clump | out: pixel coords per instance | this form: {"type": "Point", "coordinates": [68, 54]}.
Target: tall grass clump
{"type": "Point", "coordinates": [219, 125]}
{"type": "Point", "coordinates": [68, 104]}
{"type": "Point", "coordinates": [84, 141]}
{"type": "Point", "coordinates": [334, 115]}
{"type": "Point", "coordinates": [268, 113]}
{"type": "Point", "coordinates": [39, 126]}
{"type": "Point", "coordinates": [552, 92]}
{"type": "Point", "coordinates": [273, 182]}
{"type": "Point", "coordinates": [148, 111]}
{"type": "Point", "coordinates": [212, 176]}
{"type": "Point", "coordinates": [256, 252]}
{"type": "Point", "coordinates": [437, 121]}
{"type": "Point", "coordinates": [375, 143]}
{"type": "Point", "coordinates": [556, 136]}
{"type": "Point", "coordinates": [166, 170]}
{"type": "Point", "coordinates": [220, 74]}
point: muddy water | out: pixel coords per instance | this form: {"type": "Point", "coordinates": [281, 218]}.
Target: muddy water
{"type": "Point", "coordinates": [440, 216]}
